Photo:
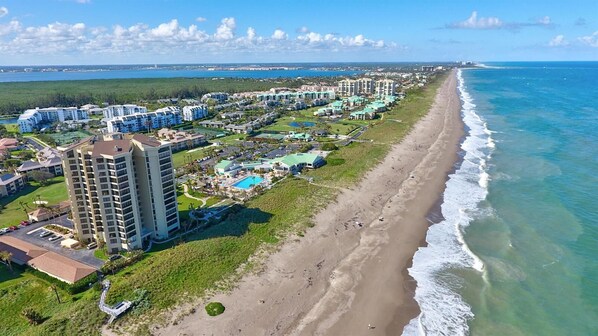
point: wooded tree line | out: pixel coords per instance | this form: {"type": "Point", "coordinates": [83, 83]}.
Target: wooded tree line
{"type": "Point", "coordinates": [17, 97]}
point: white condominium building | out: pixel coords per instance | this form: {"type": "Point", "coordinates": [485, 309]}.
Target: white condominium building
{"type": "Point", "coordinates": [113, 111]}
{"type": "Point", "coordinates": [164, 117]}
{"type": "Point", "coordinates": [366, 86]}
{"type": "Point", "coordinates": [32, 119]}
{"type": "Point", "coordinates": [122, 190]}
{"type": "Point", "coordinates": [386, 87]}
{"type": "Point", "coordinates": [191, 113]}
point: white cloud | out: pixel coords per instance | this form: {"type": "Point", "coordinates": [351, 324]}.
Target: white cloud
{"type": "Point", "coordinates": [251, 33]}
{"type": "Point", "coordinates": [303, 30]}
{"type": "Point", "coordinates": [590, 40]}
{"type": "Point", "coordinates": [473, 22]}
{"type": "Point", "coordinates": [201, 19]}
{"type": "Point", "coordinates": [546, 21]}
{"type": "Point", "coordinates": [226, 30]}
{"type": "Point", "coordinates": [3, 11]}
{"type": "Point", "coordinates": [141, 40]}
{"type": "Point", "coordinates": [558, 41]}
{"type": "Point", "coordinates": [12, 27]}
{"type": "Point", "coordinates": [487, 23]}
{"type": "Point", "coordinates": [279, 35]}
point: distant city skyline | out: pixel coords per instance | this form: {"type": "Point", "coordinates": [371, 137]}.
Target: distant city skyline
{"type": "Point", "coordinates": [175, 31]}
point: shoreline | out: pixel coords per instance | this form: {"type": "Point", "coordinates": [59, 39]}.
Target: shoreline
{"type": "Point", "coordinates": [343, 275]}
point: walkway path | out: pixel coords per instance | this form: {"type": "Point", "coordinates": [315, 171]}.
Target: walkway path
{"type": "Point", "coordinates": [115, 311]}
{"type": "Point", "coordinates": [186, 193]}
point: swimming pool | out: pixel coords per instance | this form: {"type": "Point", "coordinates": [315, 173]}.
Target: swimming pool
{"type": "Point", "coordinates": [248, 182]}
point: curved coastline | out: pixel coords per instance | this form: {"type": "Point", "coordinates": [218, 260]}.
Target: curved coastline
{"type": "Point", "coordinates": [336, 281]}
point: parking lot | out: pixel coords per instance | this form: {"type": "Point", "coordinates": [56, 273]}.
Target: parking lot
{"type": "Point", "coordinates": [31, 234]}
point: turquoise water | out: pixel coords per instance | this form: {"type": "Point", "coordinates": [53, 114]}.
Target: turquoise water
{"type": "Point", "coordinates": [517, 253]}
{"type": "Point", "coordinates": [301, 124]}
{"type": "Point", "coordinates": [248, 182]}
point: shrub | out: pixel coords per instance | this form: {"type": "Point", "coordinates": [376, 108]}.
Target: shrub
{"type": "Point", "coordinates": [214, 308]}
{"type": "Point", "coordinates": [32, 316]}
{"type": "Point", "coordinates": [329, 146]}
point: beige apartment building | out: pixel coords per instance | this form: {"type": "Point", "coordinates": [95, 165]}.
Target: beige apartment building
{"type": "Point", "coordinates": [366, 86]}
{"type": "Point", "coordinates": [122, 190]}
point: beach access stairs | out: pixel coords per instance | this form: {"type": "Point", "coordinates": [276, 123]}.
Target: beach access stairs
{"type": "Point", "coordinates": [115, 311]}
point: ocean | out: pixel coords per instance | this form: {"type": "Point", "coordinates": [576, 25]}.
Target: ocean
{"type": "Point", "coordinates": [516, 252]}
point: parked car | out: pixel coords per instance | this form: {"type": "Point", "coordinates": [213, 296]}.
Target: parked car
{"type": "Point", "coordinates": [24, 223]}
{"type": "Point", "coordinates": [3, 231]}
{"type": "Point", "coordinates": [114, 257]}
{"type": "Point", "coordinates": [45, 234]}
{"type": "Point", "coordinates": [92, 246]}
{"type": "Point", "coordinates": [12, 228]}
{"type": "Point", "coordinates": [54, 238]}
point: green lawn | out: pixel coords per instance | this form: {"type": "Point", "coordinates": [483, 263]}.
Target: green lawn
{"type": "Point", "coordinates": [12, 211]}
{"type": "Point", "coordinates": [12, 128]}
{"type": "Point", "coordinates": [184, 157]}
{"type": "Point", "coordinates": [75, 315]}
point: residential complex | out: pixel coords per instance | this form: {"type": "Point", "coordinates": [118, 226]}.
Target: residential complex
{"type": "Point", "coordinates": [366, 86]}
{"type": "Point", "coordinates": [139, 122]}
{"type": "Point", "coordinates": [114, 111]}
{"type": "Point", "coordinates": [34, 119]}
{"type": "Point", "coordinates": [48, 160]}
{"type": "Point", "coordinates": [180, 140]}
{"type": "Point", "coordinates": [122, 189]}
{"type": "Point", "coordinates": [386, 87]}
{"type": "Point", "coordinates": [219, 97]}
{"type": "Point", "coordinates": [291, 163]}
{"type": "Point", "coordinates": [299, 95]}
{"type": "Point", "coordinates": [194, 112]}
{"type": "Point", "coordinates": [10, 184]}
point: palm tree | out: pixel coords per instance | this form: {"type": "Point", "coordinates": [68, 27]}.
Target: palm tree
{"type": "Point", "coordinates": [6, 257]}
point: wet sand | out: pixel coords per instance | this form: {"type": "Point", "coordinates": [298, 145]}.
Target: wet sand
{"type": "Point", "coordinates": [350, 270]}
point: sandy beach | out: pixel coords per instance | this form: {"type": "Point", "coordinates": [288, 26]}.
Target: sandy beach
{"type": "Point", "coordinates": [350, 270]}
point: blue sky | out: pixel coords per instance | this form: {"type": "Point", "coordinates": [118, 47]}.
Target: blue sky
{"type": "Point", "coordinates": [176, 31]}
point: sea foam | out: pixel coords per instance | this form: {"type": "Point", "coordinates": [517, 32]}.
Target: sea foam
{"type": "Point", "coordinates": [443, 311]}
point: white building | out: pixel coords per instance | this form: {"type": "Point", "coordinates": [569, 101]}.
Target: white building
{"type": "Point", "coordinates": [122, 190]}
{"type": "Point", "coordinates": [113, 111]}
{"type": "Point", "coordinates": [219, 97]}
{"type": "Point", "coordinates": [32, 119]}
{"type": "Point", "coordinates": [164, 117]}
{"type": "Point", "coordinates": [366, 86]}
{"type": "Point", "coordinates": [191, 113]}
{"type": "Point", "coordinates": [386, 87]}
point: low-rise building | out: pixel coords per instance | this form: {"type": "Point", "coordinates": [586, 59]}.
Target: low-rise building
{"type": "Point", "coordinates": [48, 160]}
{"type": "Point", "coordinates": [10, 184]}
{"type": "Point", "coordinates": [8, 144]}
{"type": "Point", "coordinates": [180, 140]}
{"type": "Point", "coordinates": [219, 97]}
{"type": "Point", "coordinates": [92, 109]}
{"type": "Point", "coordinates": [291, 163]}
{"type": "Point", "coordinates": [55, 265]}
{"type": "Point", "coordinates": [195, 112]}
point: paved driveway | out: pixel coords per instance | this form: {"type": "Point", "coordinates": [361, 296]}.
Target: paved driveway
{"type": "Point", "coordinates": [31, 234]}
